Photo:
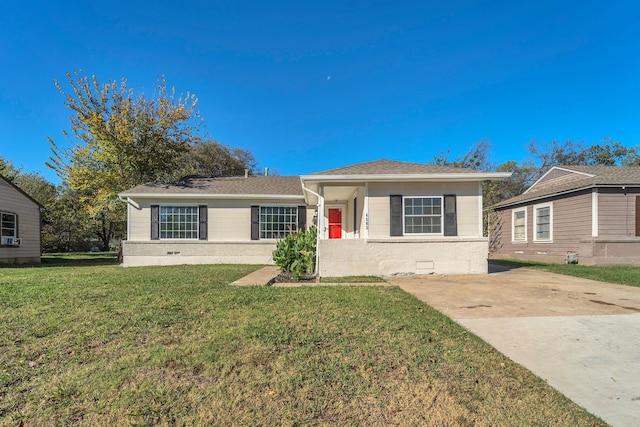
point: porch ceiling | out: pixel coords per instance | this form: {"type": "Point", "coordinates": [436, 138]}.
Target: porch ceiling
{"type": "Point", "coordinates": [335, 194]}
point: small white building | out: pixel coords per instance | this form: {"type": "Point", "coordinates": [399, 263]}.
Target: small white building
{"type": "Point", "coordinates": [376, 218]}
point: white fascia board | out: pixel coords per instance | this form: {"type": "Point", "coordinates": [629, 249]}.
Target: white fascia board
{"type": "Point", "coordinates": [411, 177]}
{"type": "Point", "coordinates": [556, 168]}
{"type": "Point", "coordinates": [562, 193]}
{"type": "Point", "coordinates": [210, 196]}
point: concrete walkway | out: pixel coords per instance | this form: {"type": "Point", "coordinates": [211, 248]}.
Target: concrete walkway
{"type": "Point", "coordinates": [260, 277]}
{"type": "Point", "coordinates": [581, 336]}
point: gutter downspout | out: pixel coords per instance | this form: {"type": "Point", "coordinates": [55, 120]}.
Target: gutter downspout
{"type": "Point", "coordinates": [317, 226]}
{"type": "Point", "coordinates": [128, 221]}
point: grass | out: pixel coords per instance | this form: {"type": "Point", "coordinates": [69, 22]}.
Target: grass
{"type": "Point", "coordinates": [621, 274]}
{"type": "Point", "coordinates": [104, 345]}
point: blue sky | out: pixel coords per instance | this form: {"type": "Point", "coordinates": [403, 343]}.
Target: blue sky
{"type": "Point", "coordinates": [308, 86]}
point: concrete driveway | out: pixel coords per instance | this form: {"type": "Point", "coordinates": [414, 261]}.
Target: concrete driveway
{"type": "Point", "coordinates": [581, 336]}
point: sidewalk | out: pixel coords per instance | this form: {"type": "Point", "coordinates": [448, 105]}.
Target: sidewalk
{"type": "Point", "coordinates": [261, 277]}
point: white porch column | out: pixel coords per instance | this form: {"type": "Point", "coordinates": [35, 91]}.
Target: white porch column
{"type": "Point", "coordinates": [480, 210]}
{"type": "Point", "coordinates": [321, 219]}
{"type": "Point", "coordinates": [365, 211]}
{"type": "Point", "coordinates": [594, 212]}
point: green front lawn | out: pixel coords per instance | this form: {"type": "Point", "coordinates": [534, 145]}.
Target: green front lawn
{"type": "Point", "coordinates": [622, 274]}
{"type": "Point", "coordinates": [105, 345]}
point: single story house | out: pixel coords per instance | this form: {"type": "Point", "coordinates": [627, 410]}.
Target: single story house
{"type": "Point", "coordinates": [585, 214]}
{"type": "Point", "coordinates": [376, 218]}
{"type": "Point", "coordinates": [19, 225]}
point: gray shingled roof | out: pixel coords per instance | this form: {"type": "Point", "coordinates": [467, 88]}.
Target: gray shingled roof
{"type": "Point", "coordinates": [597, 176]}
{"type": "Point", "coordinates": [254, 185]}
{"type": "Point", "coordinates": [287, 185]}
{"type": "Point", "coordinates": [389, 167]}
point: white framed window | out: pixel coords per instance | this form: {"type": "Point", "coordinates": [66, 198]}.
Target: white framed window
{"type": "Point", "coordinates": [8, 224]}
{"type": "Point", "coordinates": [422, 215]}
{"type": "Point", "coordinates": [179, 222]}
{"type": "Point", "coordinates": [543, 222]}
{"type": "Point", "coordinates": [276, 222]}
{"type": "Point", "coordinates": [519, 225]}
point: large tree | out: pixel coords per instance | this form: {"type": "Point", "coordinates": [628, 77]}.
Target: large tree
{"type": "Point", "coordinates": [8, 170]}
{"type": "Point", "coordinates": [119, 140]}
{"type": "Point", "coordinates": [211, 158]}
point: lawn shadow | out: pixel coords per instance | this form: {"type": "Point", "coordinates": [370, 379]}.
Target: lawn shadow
{"type": "Point", "coordinates": [500, 265]}
{"type": "Point", "coordinates": [78, 259]}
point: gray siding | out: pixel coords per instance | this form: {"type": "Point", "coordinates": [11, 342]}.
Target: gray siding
{"type": "Point", "coordinates": [616, 242]}
{"type": "Point", "coordinates": [571, 228]}
{"type": "Point", "coordinates": [571, 218]}
{"type": "Point", "coordinates": [617, 217]}
{"type": "Point", "coordinates": [13, 201]}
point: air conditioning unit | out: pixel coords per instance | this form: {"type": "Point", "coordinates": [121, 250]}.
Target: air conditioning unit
{"type": "Point", "coordinates": [7, 241]}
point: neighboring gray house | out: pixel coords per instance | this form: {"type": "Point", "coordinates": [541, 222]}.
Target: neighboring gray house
{"type": "Point", "coordinates": [382, 217]}
{"type": "Point", "coordinates": [591, 213]}
{"type": "Point", "coordinates": [19, 225]}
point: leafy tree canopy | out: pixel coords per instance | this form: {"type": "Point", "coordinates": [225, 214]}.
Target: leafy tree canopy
{"type": "Point", "coordinates": [118, 140]}
{"type": "Point", "coordinates": [8, 170]}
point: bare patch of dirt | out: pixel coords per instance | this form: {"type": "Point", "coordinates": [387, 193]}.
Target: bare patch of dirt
{"type": "Point", "coordinates": [288, 278]}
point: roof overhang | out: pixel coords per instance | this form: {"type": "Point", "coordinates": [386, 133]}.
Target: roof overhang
{"type": "Point", "coordinates": [458, 177]}
{"type": "Point", "coordinates": [313, 182]}
{"type": "Point", "coordinates": [557, 168]}
{"type": "Point", "coordinates": [181, 196]}
{"type": "Point", "coordinates": [562, 193]}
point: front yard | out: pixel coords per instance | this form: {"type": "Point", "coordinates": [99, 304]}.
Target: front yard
{"type": "Point", "coordinates": [103, 345]}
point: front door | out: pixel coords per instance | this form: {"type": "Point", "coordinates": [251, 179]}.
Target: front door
{"type": "Point", "coordinates": [335, 223]}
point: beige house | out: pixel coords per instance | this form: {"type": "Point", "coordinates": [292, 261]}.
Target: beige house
{"type": "Point", "coordinates": [19, 225]}
{"type": "Point", "coordinates": [585, 214]}
{"type": "Point", "coordinates": [376, 218]}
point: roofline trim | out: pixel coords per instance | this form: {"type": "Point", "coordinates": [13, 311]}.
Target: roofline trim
{"type": "Point", "coordinates": [559, 168]}
{"type": "Point", "coordinates": [561, 193]}
{"type": "Point", "coordinates": [209, 196]}
{"type": "Point", "coordinates": [481, 176]}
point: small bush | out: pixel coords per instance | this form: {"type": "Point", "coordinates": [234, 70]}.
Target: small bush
{"type": "Point", "coordinates": [296, 253]}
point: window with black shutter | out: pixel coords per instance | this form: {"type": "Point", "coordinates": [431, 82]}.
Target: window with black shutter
{"type": "Point", "coordinates": [395, 205]}
{"type": "Point", "coordinates": [202, 222]}
{"type": "Point", "coordinates": [255, 222]}
{"type": "Point", "coordinates": [155, 222]}
{"type": "Point", "coordinates": [450, 216]}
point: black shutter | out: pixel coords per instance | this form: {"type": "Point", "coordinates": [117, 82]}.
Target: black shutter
{"type": "Point", "coordinates": [255, 222]}
{"type": "Point", "coordinates": [450, 218]}
{"type": "Point", "coordinates": [302, 218]}
{"type": "Point", "coordinates": [395, 203]}
{"type": "Point", "coordinates": [355, 215]}
{"type": "Point", "coordinates": [155, 222]}
{"type": "Point", "coordinates": [202, 224]}
{"type": "Point", "coordinates": [17, 232]}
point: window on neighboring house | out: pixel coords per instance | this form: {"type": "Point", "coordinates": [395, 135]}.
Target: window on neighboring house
{"type": "Point", "coordinates": [8, 225]}
{"type": "Point", "coordinates": [423, 215]}
{"type": "Point", "coordinates": [178, 222]}
{"type": "Point", "coordinates": [519, 225]}
{"type": "Point", "coordinates": [277, 222]}
{"type": "Point", "coordinates": [543, 217]}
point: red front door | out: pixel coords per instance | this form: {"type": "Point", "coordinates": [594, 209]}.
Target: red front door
{"type": "Point", "coordinates": [335, 223]}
